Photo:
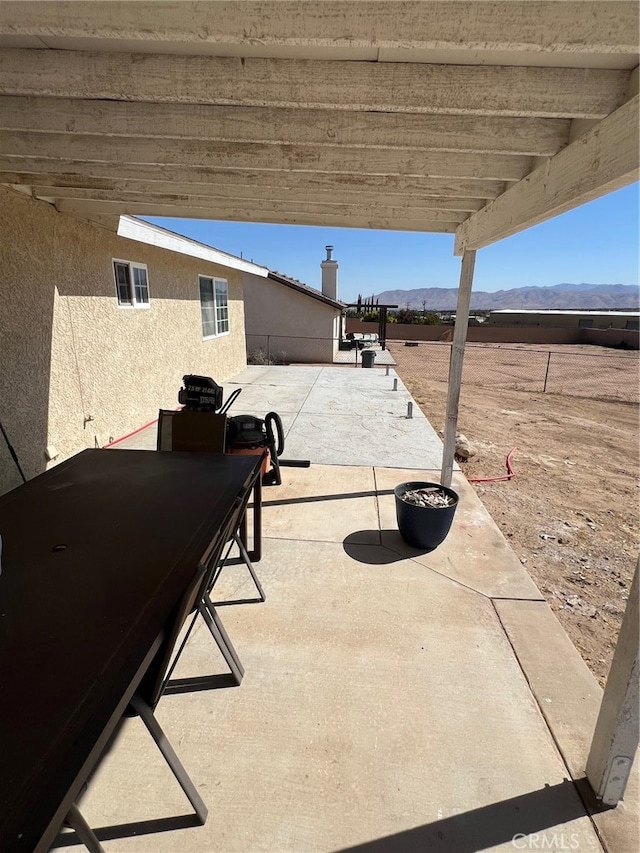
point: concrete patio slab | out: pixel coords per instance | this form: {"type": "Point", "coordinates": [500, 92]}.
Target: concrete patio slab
{"type": "Point", "coordinates": [364, 400]}
{"type": "Point", "coordinates": [382, 709]}
{"type": "Point", "coordinates": [249, 374]}
{"type": "Point", "coordinates": [475, 553]}
{"type": "Point", "coordinates": [331, 429]}
{"type": "Point", "coordinates": [365, 440]}
{"type": "Point", "coordinates": [361, 378]}
{"type": "Point", "coordinates": [280, 375]}
{"type": "Point", "coordinates": [533, 630]}
{"type": "Point", "coordinates": [323, 503]}
{"type": "Point", "coordinates": [393, 700]}
{"type": "Point", "coordinates": [261, 398]}
{"type": "Point", "coordinates": [569, 698]}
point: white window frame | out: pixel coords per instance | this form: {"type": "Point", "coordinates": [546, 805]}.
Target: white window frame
{"type": "Point", "coordinates": [220, 311]}
{"type": "Point", "coordinates": [131, 266]}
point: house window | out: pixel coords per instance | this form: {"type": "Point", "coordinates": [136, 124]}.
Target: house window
{"type": "Point", "coordinates": [132, 284]}
{"type": "Point", "coordinates": [214, 306]}
{"type": "Point", "coordinates": [585, 324]}
{"type": "Point", "coordinates": [633, 324]}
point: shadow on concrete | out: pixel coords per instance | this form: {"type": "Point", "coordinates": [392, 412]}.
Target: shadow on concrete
{"type": "Point", "coordinates": [219, 681]}
{"type": "Point", "coordinates": [547, 811]}
{"type": "Point", "coordinates": [357, 545]}
{"type": "Point", "coordinates": [532, 821]}
{"type": "Point", "coordinates": [376, 555]}
{"type": "Point", "coordinates": [337, 497]}
{"type": "Point", "coordinates": [128, 830]}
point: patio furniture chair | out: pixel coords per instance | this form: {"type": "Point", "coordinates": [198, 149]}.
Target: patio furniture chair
{"type": "Point", "coordinates": [156, 679]}
{"type": "Point", "coordinates": [204, 607]}
{"type": "Point", "coordinates": [205, 432]}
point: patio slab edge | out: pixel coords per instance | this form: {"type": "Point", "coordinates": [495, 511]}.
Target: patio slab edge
{"type": "Point", "coordinates": [569, 698]}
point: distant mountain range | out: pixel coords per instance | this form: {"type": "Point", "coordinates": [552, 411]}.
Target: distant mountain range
{"type": "Point", "coordinates": [607, 297]}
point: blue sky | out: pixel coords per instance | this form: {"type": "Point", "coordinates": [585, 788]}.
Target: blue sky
{"type": "Point", "coordinates": [595, 243]}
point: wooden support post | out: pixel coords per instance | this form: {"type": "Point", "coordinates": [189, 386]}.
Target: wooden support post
{"type": "Point", "coordinates": [455, 364]}
{"type": "Point", "coordinates": [615, 740]}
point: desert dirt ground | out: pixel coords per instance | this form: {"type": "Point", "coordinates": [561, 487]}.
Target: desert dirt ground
{"type": "Point", "coordinates": [571, 513]}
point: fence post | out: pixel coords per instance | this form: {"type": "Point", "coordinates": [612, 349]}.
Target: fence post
{"type": "Point", "coordinates": [268, 349]}
{"type": "Point", "coordinates": [547, 373]}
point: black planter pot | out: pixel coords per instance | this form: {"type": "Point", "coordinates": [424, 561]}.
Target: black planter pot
{"type": "Point", "coordinates": [424, 527]}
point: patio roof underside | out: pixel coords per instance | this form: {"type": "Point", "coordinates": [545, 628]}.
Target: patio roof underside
{"type": "Point", "coordinates": [474, 118]}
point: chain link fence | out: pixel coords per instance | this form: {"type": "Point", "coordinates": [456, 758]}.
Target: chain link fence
{"type": "Point", "coordinates": [307, 349]}
{"type": "Point", "coordinates": [290, 349]}
{"type": "Point", "coordinates": [578, 374]}
{"type": "Point", "coordinates": [594, 375]}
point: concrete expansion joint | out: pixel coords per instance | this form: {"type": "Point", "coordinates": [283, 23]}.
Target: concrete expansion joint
{"type": "Point", "coordinates": [539, 600]}
{"type": "Point", "coordinates": [552, 735]}
{"type": "Point", "coordinates": [439, 573]}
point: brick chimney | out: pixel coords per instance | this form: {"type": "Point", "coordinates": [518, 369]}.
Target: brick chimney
{"type": "Point", "coordinates": [329, 275]}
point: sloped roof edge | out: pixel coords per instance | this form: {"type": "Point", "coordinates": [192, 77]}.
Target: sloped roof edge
{"type": "Point", "coordinates": [305, 289]}
{"type": "Point", "coordinates": [154, 235]}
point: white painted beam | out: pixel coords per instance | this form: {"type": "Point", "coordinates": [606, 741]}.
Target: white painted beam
{"type": "Point", "coordinates": [487, 134]}
{"type": "Point", "coordinates": [244, 211]}
{"type": "Point", "coordinates": [219, 196]}
{"type": "Point", "coordinates": [387, 220]}
{"type": "Point", "coordinates": [615, 739]}
{"type": "Point", "coordinates": [536, 27]}
{"type": "Point", "coordinates": [455, 365]}
{"type": "Point", "coordinates": [364, 86]}
{"type": "Point", "coordinates": [203, 180]}
{"type": "Point", "coordinates": [604, 159]}
{"type": "Point", "coordinates": [288, 158]}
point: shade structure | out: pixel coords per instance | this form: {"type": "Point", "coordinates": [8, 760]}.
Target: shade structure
{"type": "Point", "coordinates": [477, 119]}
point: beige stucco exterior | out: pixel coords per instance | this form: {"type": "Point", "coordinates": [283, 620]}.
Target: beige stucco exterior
{"type": "Point", "coordinates": [77, 370]}
{"type": "Point", "coordinates": [288, 325]}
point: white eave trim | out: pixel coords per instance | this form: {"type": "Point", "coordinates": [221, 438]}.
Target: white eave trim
{"type": "Point", "coordinates": [153, 235]}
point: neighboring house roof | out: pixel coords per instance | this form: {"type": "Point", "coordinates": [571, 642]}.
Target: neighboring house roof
{"type": "Point", "coordinates": [154, 235]}
{"type": "Point", "coordinates": [144, 232]}
{"type": "Point", "coordinates": [304, 288]}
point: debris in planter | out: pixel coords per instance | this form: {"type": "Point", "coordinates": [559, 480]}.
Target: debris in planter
{"type": "Point", "coordinates": [432, 497]}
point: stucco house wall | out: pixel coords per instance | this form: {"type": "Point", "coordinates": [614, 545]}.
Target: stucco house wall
{"type": "Point", "coordinates": [76, 369]}
{"type": "Point", "coordinates": [287, 325]}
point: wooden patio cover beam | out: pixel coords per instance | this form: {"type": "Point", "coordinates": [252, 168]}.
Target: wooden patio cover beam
{"type": "Point", "coordinates": [574, 27]}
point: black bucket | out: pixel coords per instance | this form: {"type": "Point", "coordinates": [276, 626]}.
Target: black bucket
{"type": "Point", "coordinates": [368, 357]}
{"type": "Point", "coordinates": [424, 527]}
